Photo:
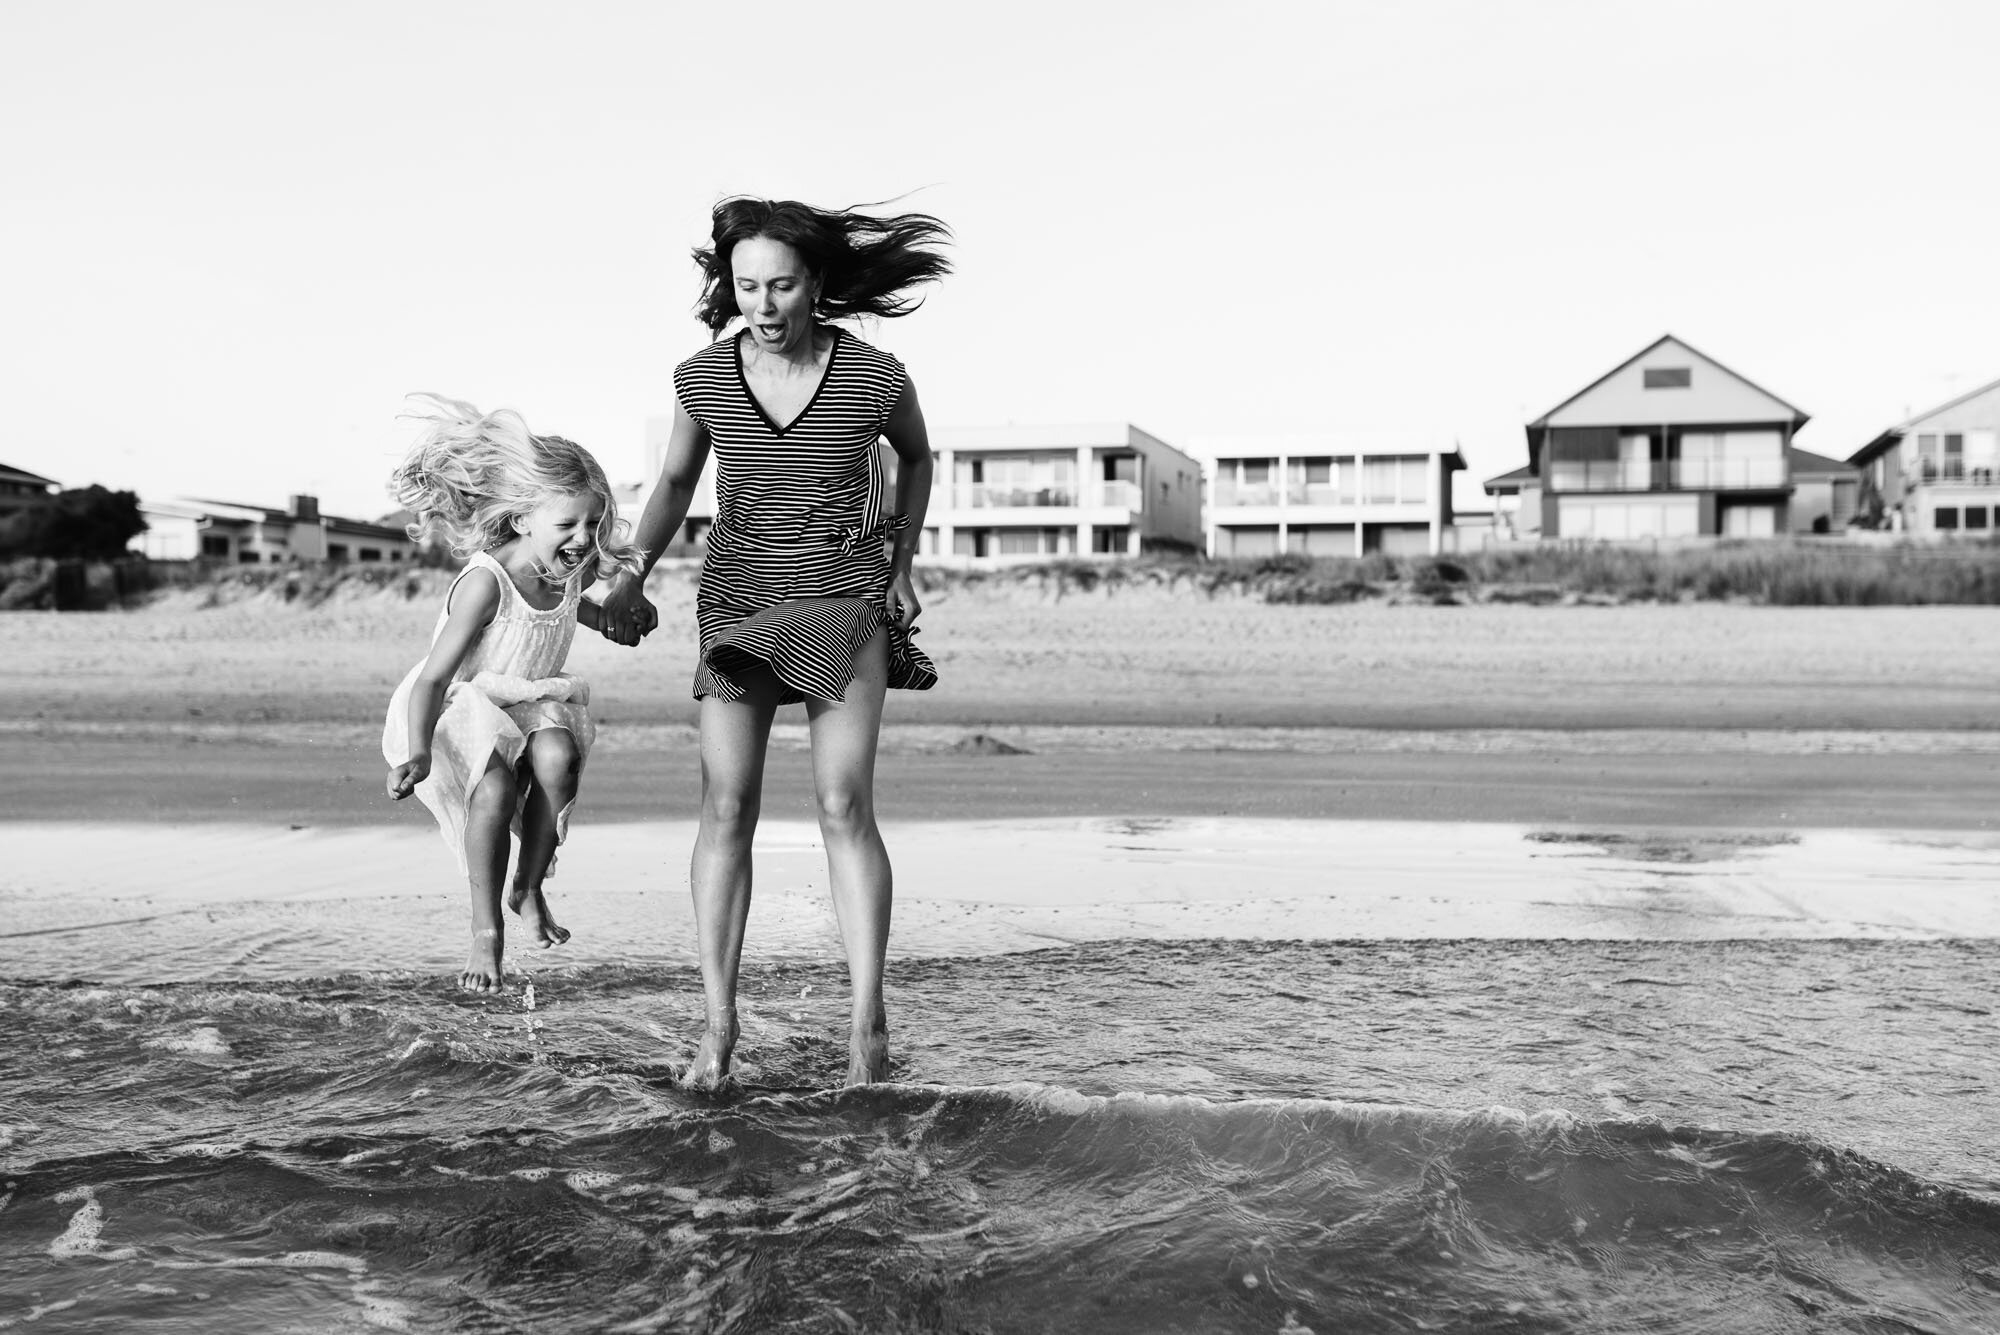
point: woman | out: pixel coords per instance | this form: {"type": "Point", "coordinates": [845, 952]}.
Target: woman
{"type": "Point", "coordinates": [798, 601]}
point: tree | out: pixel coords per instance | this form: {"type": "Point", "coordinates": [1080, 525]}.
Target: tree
{"type": "Point", "coordinates": [89, 522]}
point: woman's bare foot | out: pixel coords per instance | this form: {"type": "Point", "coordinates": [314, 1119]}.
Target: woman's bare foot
{"type": "Point", "coordinates": [710, 1068]}
{"type": "Point", "coordinates": [868, 1054]}
{"type": "Point", "coordinates": [535, 916]}
{"type": "Point", "coordinates": [482, 966]}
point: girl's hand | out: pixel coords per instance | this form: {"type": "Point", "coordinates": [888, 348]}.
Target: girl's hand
{"type": "Point", "coordinates": [902, 599]}
{"type": "Point", "coordinates": [626, 614]}
{"type": "Point", "coordinates": [404, 778]}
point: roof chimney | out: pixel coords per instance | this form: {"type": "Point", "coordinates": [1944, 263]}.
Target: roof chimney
{"type": "Point", "coordinates": [306, 508]}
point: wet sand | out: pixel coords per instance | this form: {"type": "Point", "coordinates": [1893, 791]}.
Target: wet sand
{"type": "Point", "coordinates": [133, 901]}
{"type": "Point", "coordinates": [282, 775]}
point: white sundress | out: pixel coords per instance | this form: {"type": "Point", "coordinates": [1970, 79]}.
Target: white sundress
{"type": "Point", "coordinates": [510, 684]}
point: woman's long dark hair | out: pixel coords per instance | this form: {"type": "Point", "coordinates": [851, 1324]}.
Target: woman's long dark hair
{"type": "Point", "coordinates": [864, 263]}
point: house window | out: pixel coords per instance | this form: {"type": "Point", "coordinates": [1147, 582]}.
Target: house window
{"type": "Point", "coordinates": [212, 545]}
{"type": "Point", "coordinates": [1945, 517]}
{"type": "Point", "coordinates": [336, 551]}
{"type": "Point", "coordinates": [246, 557]}
{"type": "Point", "coordinates": [1668, 377]}
{"type": "Point", "coordinates": [1110, 538]}
{"type": "Point", "coordinates": [371, 553]}
{"type": "Point", "coordinates": [1975, 516]}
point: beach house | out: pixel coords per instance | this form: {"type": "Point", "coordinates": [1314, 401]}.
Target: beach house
{"type": "Point", "coordinates": [1024, 492]}
{"type": "Point", "coordinates": [1938, 474]}
{"type": "Point", "coordinates": [235, 534]}
{"type": "Point", "coordinates": [1341, 494]}
{"type": "Point", "coordinates": [1672, 444]}
{"type": "Point", "coordinates": [21, 490]}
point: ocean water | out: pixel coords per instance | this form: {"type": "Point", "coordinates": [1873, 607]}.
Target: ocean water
{"type": "Point", "coordinates": [1118, 1135]}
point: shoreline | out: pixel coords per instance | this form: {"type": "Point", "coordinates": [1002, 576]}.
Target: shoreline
{"type": "Point", "coordinates": [1747, 781]}
{"type": "Point", "coordinates": [308, 900]}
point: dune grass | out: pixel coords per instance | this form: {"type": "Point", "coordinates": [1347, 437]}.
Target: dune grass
{"type": "Point", "coordinates": [1776, 574]}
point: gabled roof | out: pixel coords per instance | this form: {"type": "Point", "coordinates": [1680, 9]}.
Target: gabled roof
{"type": "Point", "coordinates": [1966, 397]}
{"type": "Point", "coordinates": [1805, 461]}
{"type": "Point", "coordinates": [1887, 440]}
{"type": "Point", "coordinates": [9, 473]}
{"type": "Point", "coordinates": [1799, 416]}
{"type": "Point", "coordinates": [1868, 453]}
{"type": "Point", "coordinates": [1508, 484]}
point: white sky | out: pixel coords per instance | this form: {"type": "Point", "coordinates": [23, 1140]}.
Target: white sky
{"type": "Point", "coordinates": [234, 235]}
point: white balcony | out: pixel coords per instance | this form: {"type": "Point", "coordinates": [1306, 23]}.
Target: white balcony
{"type": "Point", "coordinates": [1722, 474]}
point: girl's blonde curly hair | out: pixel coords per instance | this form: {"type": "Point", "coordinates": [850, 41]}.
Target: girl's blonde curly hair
{"type": "Point", "coordinates": [472, 474]}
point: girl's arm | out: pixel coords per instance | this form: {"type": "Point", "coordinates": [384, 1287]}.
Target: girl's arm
{"type": "Point", "coordinates": [627, 614]}
{"type": "Point", "coordinates": [911, 441]}
{"type": "Point", "coordinates": [472, 605]}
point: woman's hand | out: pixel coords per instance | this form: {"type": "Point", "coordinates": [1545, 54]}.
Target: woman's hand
{"type": "Point", "coordinates": [902, 599]}
{"type": "Point", "coordinates": [626, 615]}
{"type": "Point", "coordinates": [404, 778]}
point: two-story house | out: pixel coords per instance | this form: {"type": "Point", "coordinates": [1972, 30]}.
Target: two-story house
{"type": "Point", "coordinates": [1670, 444]}
{"type": "Point", "coordinates": [1328, 495]}
{"type": "Point", "coordinates": [1040, 491]}
{"type": "Point", "coordinates": [1938, 474]}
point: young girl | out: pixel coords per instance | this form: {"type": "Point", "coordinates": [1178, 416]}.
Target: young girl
{"type": "Point", "coordinates": [488, 730]}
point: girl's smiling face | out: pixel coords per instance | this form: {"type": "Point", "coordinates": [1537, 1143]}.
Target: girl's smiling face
{"type": "Point", "coordinates": [560, 534]}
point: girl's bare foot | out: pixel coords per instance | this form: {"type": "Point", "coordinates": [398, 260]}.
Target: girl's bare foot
{"type": "Point", "coordinates": [868, 1054]}
{"type": "Point", "coordinates": [710, 1068]}
{"type": "Point", "coordinates": [535, 916]}
{"type": "Point", "coordinates": [482, 966]}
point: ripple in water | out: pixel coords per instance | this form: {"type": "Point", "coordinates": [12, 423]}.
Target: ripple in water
{"type": "Point", "coordinates": [1213, 1137]}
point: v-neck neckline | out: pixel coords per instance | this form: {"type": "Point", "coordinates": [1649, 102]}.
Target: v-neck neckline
{"type": "Point", "coordinates": [743, 379]}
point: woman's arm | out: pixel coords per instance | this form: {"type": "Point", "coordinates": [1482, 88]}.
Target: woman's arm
{"type": "Point", "coordinates": [472, 605]}
{"type": "Point", "coordinates": [589, 615]}
{"type": "Point", "coordinates": [911, 441]}
{"type": "Point", "coordinates": [627, 614]}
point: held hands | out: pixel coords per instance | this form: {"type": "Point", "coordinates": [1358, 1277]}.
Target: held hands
{"type": "Point", "coordinates": [404, 778]}
{"type": "Point", "coordinates": [626, 615]}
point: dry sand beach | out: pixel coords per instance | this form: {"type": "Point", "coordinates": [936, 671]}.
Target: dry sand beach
{"type": "Point", "coordinates": [1145, 701]}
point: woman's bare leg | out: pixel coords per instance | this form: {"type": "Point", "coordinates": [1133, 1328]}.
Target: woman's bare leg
{"type": "Point", "coordinates": [489, 810]}
{"type": "Point", "coordinates": [734, 734]}
{"type": "Point", "coordinates": [844, 737]}
{"type": "Point", "coordinates": [553, 767]}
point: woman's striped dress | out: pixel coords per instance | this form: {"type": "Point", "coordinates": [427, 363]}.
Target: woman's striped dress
{"type": "Point", "coordinates": [795, 574]}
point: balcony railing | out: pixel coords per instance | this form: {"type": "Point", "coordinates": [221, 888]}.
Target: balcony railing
{"type": "Point", "coordinates": [1601, 475]}
{"type": "Point", "coordinates": [1676, 474]}
{"type": "Point", "coordinates": [1693, 474]}
{"type": "Point", "coordinates": [1117, 495]}
{"type": "Point", "coordinates": [986, 496]}
{"type": "Point", "coordinates": [1246, 493]}
{"type": "Point", "coordinates": [1953, 470]}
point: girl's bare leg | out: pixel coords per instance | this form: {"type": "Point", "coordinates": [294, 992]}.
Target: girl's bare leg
{"type": "Point", "coordinates": [488, 812]}
{"type": "Point", "coordinates": [733, 737]}
{"type": "Point", "coordinates": [553, 766]}
{"type": "Point", "coordinates": [844, 736]}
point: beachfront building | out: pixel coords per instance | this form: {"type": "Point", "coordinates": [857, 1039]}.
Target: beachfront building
{"type": "Point", "coordinates": [1938, 474]}
{"type": "Point", "coordinates": [1328, 495]}
{"type": "Point", "coordinates": [229, 533]}
{"type": "Point", "coordinates": [632, 496]}
{"type": "Point", "coordinates": [21, 490]}
{"type": "Point", "coordinates": [1672, 444]}
{"type": "Point", "coordinates": [1031, 492]}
